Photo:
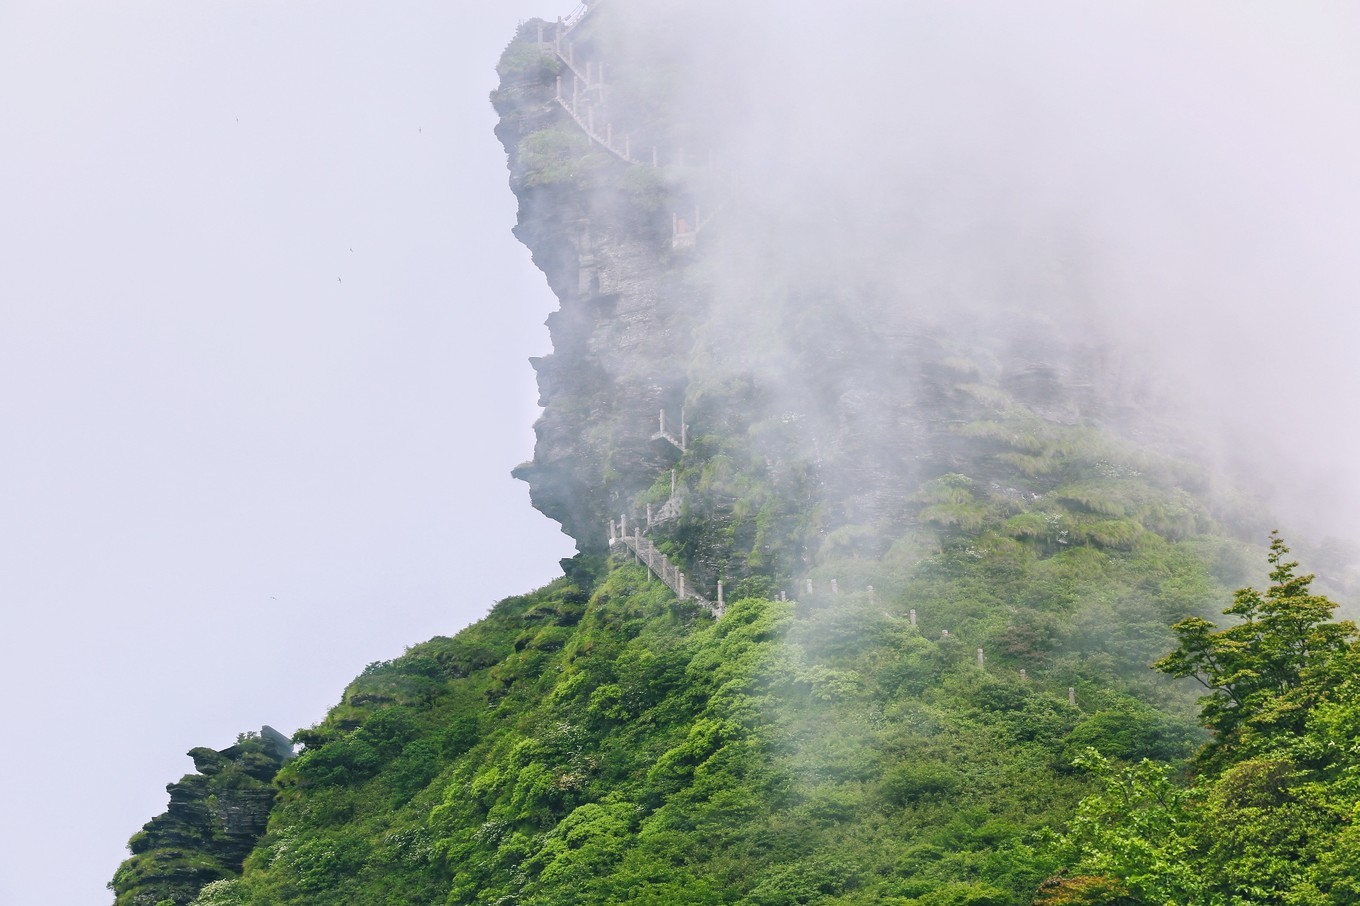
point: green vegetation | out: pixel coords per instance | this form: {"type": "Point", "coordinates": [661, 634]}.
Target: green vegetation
{"type": "Point", "coordinates": [1269, 815]}
{"type": "Point", "coordinates": [613, 746]}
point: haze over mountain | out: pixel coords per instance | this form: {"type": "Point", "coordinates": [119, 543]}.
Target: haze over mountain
{"type": "Point", "coordinates": [995, 318]}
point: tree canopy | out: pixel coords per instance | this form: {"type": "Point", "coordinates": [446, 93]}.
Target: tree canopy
{"type": "Point", "coordinates": [1267, 815]}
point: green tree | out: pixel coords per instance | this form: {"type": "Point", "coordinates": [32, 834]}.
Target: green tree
{"type": "Point", "coordinates": [1265, 673]}
{"type": "Point", "coordinates": [1270, 817]}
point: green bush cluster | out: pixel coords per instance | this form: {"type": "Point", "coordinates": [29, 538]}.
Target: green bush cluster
{"type": "Point", "coordinates": [619, 746]}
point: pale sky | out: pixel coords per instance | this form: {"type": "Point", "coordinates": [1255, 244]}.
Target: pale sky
{"type": "Point", "coordinates": [263, 332]}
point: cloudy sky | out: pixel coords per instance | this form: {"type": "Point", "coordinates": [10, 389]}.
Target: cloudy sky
{"type": "Point", "coordinates": [263, 331]}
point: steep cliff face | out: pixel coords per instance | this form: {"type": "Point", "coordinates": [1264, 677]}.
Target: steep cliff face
{"type": "Point", "coordinates": [816, 401]}
{"type": "Point", "coordinates": [621, 337]}
{"type": "Point", "coordinates": [213, 820]}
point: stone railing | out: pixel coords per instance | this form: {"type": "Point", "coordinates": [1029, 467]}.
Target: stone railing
{"type": "Point", "coordinates": [578, 14]}
{"type": "Point", "coordinates": [586, 95]}
{"type": "Point", "coordinates": [681, 442]}
{"type": "Point", "coordinates": [660, 565]}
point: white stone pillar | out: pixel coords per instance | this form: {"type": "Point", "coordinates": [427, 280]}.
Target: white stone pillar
{"type": "Point", "coordinates": [1071, 696]}
{"type": "Point", "coordinates": [720, 594]}
{"type": "Point", "coordinates": [982, 662]}
{"type": "Point", "coordinates": [680, 577]}
{"type": "Point", "coordinates": [623, 524]}
{"type": "Point", "coordinates": [809, 586]}
{"type": "Point", "coordinates": [1022, 674]}
{"type": "Point", "coordinates": [913, 618]}
{"type": "Point", "coordinates": [835, 587]}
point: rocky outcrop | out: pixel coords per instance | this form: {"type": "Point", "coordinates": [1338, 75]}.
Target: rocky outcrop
{"type": "Point", "coordinates": [813, 396]}
{"type": "Point", "coordinates": [212, 822]}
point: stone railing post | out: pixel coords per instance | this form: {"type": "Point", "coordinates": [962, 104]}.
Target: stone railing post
{"type": "Point", "coordinates": [720, 594]}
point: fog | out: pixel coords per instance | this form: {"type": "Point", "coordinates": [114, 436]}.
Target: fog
{"type": "Point", "coordinates": [1177, 182]}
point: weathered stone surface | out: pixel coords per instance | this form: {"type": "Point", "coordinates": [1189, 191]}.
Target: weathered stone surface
{"type": "Point", "coordinates": [833, 390]}
{"type": "Point", "coordinates": [211, 823]}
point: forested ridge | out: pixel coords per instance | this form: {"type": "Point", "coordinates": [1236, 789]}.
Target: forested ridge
{"type": "Point", "coordinates": [616, 747]}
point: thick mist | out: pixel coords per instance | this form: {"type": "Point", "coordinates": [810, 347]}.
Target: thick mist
{"type": "Point", "coordinates": [1177, 183]}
